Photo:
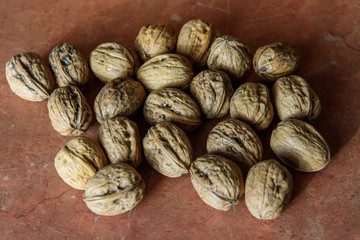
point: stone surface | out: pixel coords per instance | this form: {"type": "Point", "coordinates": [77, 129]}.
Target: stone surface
{"type": "Point", "coordinates": [36, 204]}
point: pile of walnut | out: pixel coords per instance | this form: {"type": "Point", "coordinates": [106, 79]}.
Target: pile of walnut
{"type": "Point", "coordinates": [171, 65]}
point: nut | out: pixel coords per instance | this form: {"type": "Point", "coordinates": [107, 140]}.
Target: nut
{"type": "Point", "coordinates": [120, 139]}
{"type": "Point", "coordinates": [78, 161]}
{"type": "Point", "coordinates": [268, 189]}
{"type": "Point", "coordinates": [168, 150]}
{"type": "Point", "coordinates": [251, 103]}
{"type": "Point", "coordinates": [69, 112]}
{"type": "Point", "coordinates": [29, 77]}
{"type": "Point", "coordinates": [217, 180]}
{"type": "Point", "coordinates": [300, 146]}
{"type": "Point", "coordinates": [115, 189]}
{"type": "Point", "coordinates": [212, 90]}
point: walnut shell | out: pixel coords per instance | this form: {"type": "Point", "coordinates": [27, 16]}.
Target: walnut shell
{"type": "Point", "coordinates": [111, 60]}
{"type": "Point", "coordinates": [69, 112]}
{"type": "Point", "coordinates": [251, 103]}
{"type": "Point", "coordinates": [235, 140]}
{"type": "Point", "coordinates": [231, 56]}
{"type": "Point", "coordinates": [194, 41]}
{"type": "Point", "coordinates": [167, 70]}
{"type": "Point", "coordinates": [168, 150]}
{"type": "Point", "coordinates": [268, 189]}
{"type": "Point", "coordinates": [294, 98]}
{"type": "Point", "coordinates": [119, 97]}
{"type": "Point", "coordinates": [154, 40]}
{"type": "Point", "coordinates": [217, 180]}
{"type": "Point", "coordinates": [29, 77]}
{"type": "Point", "coordinates": [212, 90]}
{"type": "Point", "coordinates": [69, 65]}
{"type": "Point", "coordinates": [172, 105]}
{"type": "Point", "coordinates": [275, 60]}
{"type": "Point", "coordinates": [115, 189]}
{"type": "Point", "coordinates": [78, 161]}
{"type": "Point", "coordinates": [300, 146]}
{"type": "Point", "coordinates": [120, 139]}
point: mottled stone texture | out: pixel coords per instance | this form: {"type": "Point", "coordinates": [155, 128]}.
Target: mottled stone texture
{"type": "Point", "coordinates": [36, 204]}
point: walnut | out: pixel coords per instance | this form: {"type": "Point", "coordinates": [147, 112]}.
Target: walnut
{"type": "Point", "coordinates": [29, 77]}
{"type": "Point", "coordinates": [119, 97]}
{"type": "Point", "coordinates": [115, 189]}
{"type": "Point", "coordinates": [172, 105]}
{"type": "Point", "coordinates": [235, 140]}
{"type": "Point", "coordinates": [300, 146]}
{"type": "Point", "coordinates": [154, 40]}
{"type": "Point", "coordinates": [111, 60]}
{"type": "Point", "coordinates": [251, 103]}
{"type": "Point", "coordinates": [212, 90]}
{"type": "Point", "coordinates": [217, 180]}
{"type": "Point", "coordinates": [69, 65]}
{"type": "Point", "coordinates": [194, 41]}
{"type": "Point", "coordinates": [168, 150]}
{"type": "Point", "coordinates": [294, 98]}
{"type": "Point", "coordinates": [275, 60]}
{"type": "Point", "coordinates": [69, 112]}
{"type": "Point", "coordinates": [78, 161]}
{"type": "Point", "coordinates": [120, 139]}
{"type": "Point", "coordinates": [167, 70]}
{"type": "Point", "coordinates": [268, 189]}
{"type": "Point", "coordinates": [231, 56]}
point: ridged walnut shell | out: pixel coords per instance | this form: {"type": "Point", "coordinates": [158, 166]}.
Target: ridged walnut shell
{"type": "Point", "coordinates": [300, 146]}
{"type": "Point", "coordinates": [268, 189]}
{"type": "Point", "coordinates": [294, 98]}
{"type": "Point", "coordinates": [251, 103]}
{"type": "Point", "coordinates": [69, 64]}
{"type": "Point", "coordinates": [172, 105]}
{"type": "Point", "coordinates": [115, 189]}
{"type": "Point", "coordinates": [29, 77]}
{"type": "Point", "coordinates": [78, 161]}
{"type": "Point", "coordinates": [154, 40]}
{"type": "Point", "coordinates": [119, 97]}
{"type": "Point", "coordinates": [218, 181]}
{"type": "Point", "coordinates": [231, 56]}
{"type": "Point", "coordinates": [121, 141]}
{"type": "Point", "coordinates": [212, 90]}
{"type": "Point", "coordinates": [69, 112]}
{"type": "Point", "coordinates": [235, 140]}
{"type": "Point", "coordinates": [168, 150]}
{"type": "Point", "coordinates": [167, 70]}
{"type": "Point", "coordinates": [275, 60]}
{"type": "Point", "coordinates": [112, 60]}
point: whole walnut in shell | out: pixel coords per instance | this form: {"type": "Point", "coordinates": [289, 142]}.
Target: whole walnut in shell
{"type": "Point", "coordinates": [172, 105]}
{"type": "Point", "coordinates": [251, 103]}
{"type": "Point", "coordinates": [217, 180]}
{"type": "Point", "coordinates": [78, 161]}
{"type": "Point", "coordinates": [300, 146]}
{"type": "Point", "coordinates": [167, 70]}
{"type": "Point", "coordinates": [235, 140]}
{"type": "Point", "coordinates": [275, 60]}
{"type": "Point", "coordinates": [212, 90]}
{"type": "Point", "coordinates": [69, 112]}
{"type": "Point", "coordinates": [69, 65]}
{"type": "Point", "coordinates": [168, 150]}
{"type": "Point", "coordinates": [231, 56]}
{"type": "Point", "coordinates": [119, 97]}
{"type": "Point", "coordinates": [268, 189]}
{"type": "Point", "coordinates": [29, 77]}
{"type": "Point", "coordinates": [154, 40]}
{"type": "Point", "coordinates": [121, 141]}
{"type": "Point", "coordinates": [115, 189]}
{"type": "Point", "coordinates": [294, 98]}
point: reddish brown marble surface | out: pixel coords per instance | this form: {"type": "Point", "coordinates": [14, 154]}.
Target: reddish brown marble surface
{"type": "Point", "coordinates": [36, 204]}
